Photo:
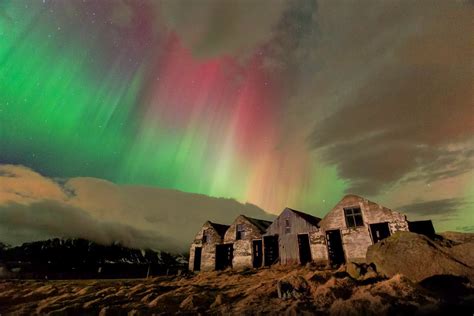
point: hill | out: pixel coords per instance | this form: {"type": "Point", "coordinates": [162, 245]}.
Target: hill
{"type": "Point", "coordinates": [80, 258]}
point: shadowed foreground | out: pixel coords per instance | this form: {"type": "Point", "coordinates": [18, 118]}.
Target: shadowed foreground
{"type": "Point", "coordinates": [279, 290]}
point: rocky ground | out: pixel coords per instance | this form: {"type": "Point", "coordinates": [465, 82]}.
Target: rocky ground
{"type": "Point", "coordinates": [354, 289]}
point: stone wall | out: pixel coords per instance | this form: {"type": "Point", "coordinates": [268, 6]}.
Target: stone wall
{"type": "Point", "coordinates": [242, 253]}
{"type": "Point", "coordinates": [319, 250]}
{"type": "Point", "coordinates": [208, 256]}
{"type": "Point", "coordinates": [243, 257]}
{"type": "Point", "coordinates": [356, 240]}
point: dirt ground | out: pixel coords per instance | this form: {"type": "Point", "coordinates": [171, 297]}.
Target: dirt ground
{"type": "Point", "coordinates": [279, 290]}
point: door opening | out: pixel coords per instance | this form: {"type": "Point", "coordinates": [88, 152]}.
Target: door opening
{"type": "Point", "coordinates": [257, 253]}
{"type": "Point", "coordinates": [224, 255]}
{"type": "Point", "coordinates": [335, 250]}
{"type": "Point", "coordinates": [271, 253]}
{"type": "Point", "coordinates": [304, 248]}
{"type": "Point", "coordinates": [379, 231]}
{"type": "Point", "coordinates": [197, 258]}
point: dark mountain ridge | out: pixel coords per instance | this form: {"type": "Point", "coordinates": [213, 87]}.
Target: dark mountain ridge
{"type": "Point", "coordinates": [80, 258]}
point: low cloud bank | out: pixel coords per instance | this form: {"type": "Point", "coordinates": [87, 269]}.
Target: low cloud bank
{"type": "Point", "coordinates": [34, 207]}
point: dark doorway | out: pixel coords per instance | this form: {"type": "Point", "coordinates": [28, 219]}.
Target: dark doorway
{"type": "Point", "coordinates": [379, 231]}
{"type": "Point", "coordinates": [270, 250]}
{"type": "Point", "coordinates": [257, 253]}
{"type": "Point", "coordinates": [304, 249]}
{"type": "Point", "coordinates": [335, 250]}
{"type": "Point", "coordinates": [197, 258]}
{"type": "Point", "coordinates": [224, 255]}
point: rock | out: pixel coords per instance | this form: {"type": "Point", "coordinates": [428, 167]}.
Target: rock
{"type": "Point", "coordinates": [415, 256]}
{"type": "Point", "coordinates": [361, 271]}
{"type": "Point", "coordinates": [370, 276]}
{"type": "Point", "coordinates": [460, 245]}
{"type": "Point", "coordinates": [354, 270]}
{"type": "Point", "coordinates": [293, 286]}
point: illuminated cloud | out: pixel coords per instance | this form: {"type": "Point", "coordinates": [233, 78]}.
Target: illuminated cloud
{"type": "Point", "coordinates": [34, 207]}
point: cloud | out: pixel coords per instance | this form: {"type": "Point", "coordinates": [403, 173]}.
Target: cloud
{"type": "Point", "coordinates": [397, 99]}
{"type": "Point", "coordinates": [213, 27]}
{"type": "Point", "coordinates": [23, 185]}
{"type": "Point", "coordinates": [50, 219]}
{"type": "Point", "coordinates": [436, 207]}
{"type": "Point", "coordinates": [33, 207]}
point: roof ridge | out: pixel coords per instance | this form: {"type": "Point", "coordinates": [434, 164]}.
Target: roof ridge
{"type": "Point", "coordinates": [261, 224]}
{"type": "Point", "coordinates": [313, 220]}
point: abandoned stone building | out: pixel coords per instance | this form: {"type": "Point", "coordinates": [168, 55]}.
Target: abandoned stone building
{"type": "Point", "coordinates": [344, 234]}
{"type": "Point", "coordinates": [245, 237]}
{"type": "Point", "coordinates": [202, 254]}
{"type": "Point", "coordinates": [353, 225]}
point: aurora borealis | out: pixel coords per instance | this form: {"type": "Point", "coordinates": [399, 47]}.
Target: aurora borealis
{"type": "Point", "coordinates": [275, 103]}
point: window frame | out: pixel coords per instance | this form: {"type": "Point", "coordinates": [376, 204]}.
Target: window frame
{"type": "Point", "coordinates": [287, 226]}
{"type": "Point", "coordinates": [353, 219]}
{"type": "Point", "coordinates": [239, 232]}
{"type": "Point", "coordinates": [206, 238]}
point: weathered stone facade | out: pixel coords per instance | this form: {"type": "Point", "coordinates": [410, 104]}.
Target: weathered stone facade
{"type": "Point", "coordinates": [319, 250]}
{"type": "Point", "coordinates": [356, 240]}
{"type": "Point", "coordinates": [252, 229]}
{"type": "Point", "coordinates": [353, 225]}
{"type": "Point", "coordinates": [215, 233]}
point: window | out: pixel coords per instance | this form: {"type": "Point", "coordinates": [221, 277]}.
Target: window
{"type": "Point", "coordinates": [206, 237]}
{"type": "Point", "coordinates": [240, 232]}
{"type": "Point", "coordinates": [353, 217]}
{"type": "Point", "coordinates": [287, 226]}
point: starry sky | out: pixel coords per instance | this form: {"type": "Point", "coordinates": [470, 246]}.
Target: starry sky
{"type": "Point", "coordinates": [274, 103]}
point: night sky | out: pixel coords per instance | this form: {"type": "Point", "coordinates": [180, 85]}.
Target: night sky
{"type": "Point", "coordinates": [274, 103]}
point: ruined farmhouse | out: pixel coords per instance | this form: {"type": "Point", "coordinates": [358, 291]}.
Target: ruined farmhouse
{"type": "Point", "coordinates": [294, 237]}
{"type": "Point", "coordinates": [245, 237]}
{"type": "Point", "coordinates": [203, 249]}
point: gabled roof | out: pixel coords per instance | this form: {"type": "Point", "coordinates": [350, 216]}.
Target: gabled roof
{"type": "Point", "coordinates": [313, 220]}
{"type": "Point", "coordinates": [219, 228]}
{"type": "Point", "coordinates": [261, 224]}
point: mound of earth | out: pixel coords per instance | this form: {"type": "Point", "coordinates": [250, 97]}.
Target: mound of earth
{"type": "Point", "coordinates": [293, 290]}
{"type": "Point", "coordinates": [418, 257]}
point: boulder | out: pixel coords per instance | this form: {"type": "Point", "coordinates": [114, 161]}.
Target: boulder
{"type": "Point", "coordinates": [361, 271]}
{"type": "Point", "coordinates": [294, 286]}
{"type": "Point", "coordinates": [417, 257]}
{"type": "Point", "coordinates": [354, 270]}
{"type": "Point", "coordinates": [460, 245]}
